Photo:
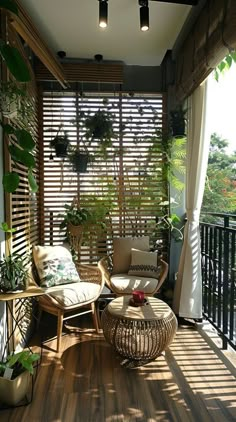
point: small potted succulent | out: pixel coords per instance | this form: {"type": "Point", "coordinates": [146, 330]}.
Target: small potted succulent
{"type": "Point", "coordinates": [15, 373]}
{"type": "Point", "coordinates": [60, 143]}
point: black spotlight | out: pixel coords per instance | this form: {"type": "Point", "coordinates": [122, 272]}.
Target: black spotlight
{"type": "Point", "coordinates": [103, 13]}
{"type": "Point", "coordinates": [144, 15]}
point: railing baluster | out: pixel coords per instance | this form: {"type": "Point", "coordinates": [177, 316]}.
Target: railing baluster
{"type": "Point", "coordinates": [219, 275]}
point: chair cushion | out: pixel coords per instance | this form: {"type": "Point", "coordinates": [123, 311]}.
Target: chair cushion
{"type": "Point", "coordinates": [71, 295]}
{"type": "Point", "coordinates": [122, 251]}
{"type": "Point", "coordinates": [144, 264]}
{"type": "Point", "coordinates": [54, 266]}
{"type": "Point", "coordinates": [125, 284]}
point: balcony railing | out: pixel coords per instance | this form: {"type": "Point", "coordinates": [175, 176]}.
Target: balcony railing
{"type": "Point", "coordinates": [219, 273]}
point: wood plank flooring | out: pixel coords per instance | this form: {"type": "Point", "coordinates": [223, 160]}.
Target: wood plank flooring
{"type": "Point", "coordinates": [86, 382]}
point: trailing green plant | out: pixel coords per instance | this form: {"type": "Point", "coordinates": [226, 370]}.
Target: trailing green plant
{"type": "Point", "coordinates": [11, 55]}
{"type": "Point", "coordinates": [20, 146]}
{"type": "Point", "coordinates": [13, 268]}
{"type": "Point", "coordinates": [19, 363]}
{"type": "Point", "coordinates": [21, 143]}
{"type": "Point", "coordinates": [15, 102]}
{"type": "Point", "coordinates": [74, 215]}
{"type": "Point", "coordinates": [98, 127]}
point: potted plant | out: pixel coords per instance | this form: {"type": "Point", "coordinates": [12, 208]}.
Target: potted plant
{"type": "Point", "coordinates": [13, 268]}
{"type": "Point", "coordinates": [15, 374]}
{"type": "Point", "coordinates": [60, 143]}
{"type": "Point", "coordinates": [99, 126]}
{"type": "Point", "coordinates": [79, 160]}
{"type": "Point", "coordinates": [13, 273]}
{"type": "Point", "coordinates": [178, 121]}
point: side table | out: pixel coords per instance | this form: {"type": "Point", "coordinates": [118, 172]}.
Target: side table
{"type": "Point", "coordinates": [139, 333]}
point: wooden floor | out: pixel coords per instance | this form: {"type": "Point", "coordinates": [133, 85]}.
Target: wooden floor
{"type": "Point", "coordinates": [86, 382]}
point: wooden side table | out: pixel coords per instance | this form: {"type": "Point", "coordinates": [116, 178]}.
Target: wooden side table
{"type": "Point", "coordinates": [11, 322]}
{"type": "Point", "coordinates": [139, 333]}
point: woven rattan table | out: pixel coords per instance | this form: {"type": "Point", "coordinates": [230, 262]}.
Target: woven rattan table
{"type": "Point", "coordinates": [139, 333]}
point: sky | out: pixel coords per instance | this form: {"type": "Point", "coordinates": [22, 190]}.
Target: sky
{"type": "Point", "coordinates": [222, 101]}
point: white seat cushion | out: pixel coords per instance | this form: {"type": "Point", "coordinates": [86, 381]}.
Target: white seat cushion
{"type": "Point", "coordinates": [125, 283]}
{"type": "Point", "coordinates": [70, 295]}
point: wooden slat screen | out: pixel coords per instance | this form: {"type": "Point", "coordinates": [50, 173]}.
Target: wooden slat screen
{"type": "Point", "coordinates": [21, 207]}
{"type": "Point", "coordinates": [129, 181]}
{"type": "Point", "coordinates": [23, 204]}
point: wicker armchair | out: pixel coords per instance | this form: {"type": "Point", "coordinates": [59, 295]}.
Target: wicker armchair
{"type": "Point", "coordinates": [124, 284]}
{"type": "Point", "coordinates": [59, 300]}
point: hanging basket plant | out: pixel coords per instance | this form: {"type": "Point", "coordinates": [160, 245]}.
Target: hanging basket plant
{"type": "Point", "coordinates": [79, 160]}
{"type": "Point", "coordinates": [60, 143]}
{"type": "Point", "coordinates": [99, 127]}
{"type": "Point", "coordinates": [178, 121]}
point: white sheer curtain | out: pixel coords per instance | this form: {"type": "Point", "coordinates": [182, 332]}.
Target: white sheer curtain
{"type": "Point", "coordinates": [188, 290]}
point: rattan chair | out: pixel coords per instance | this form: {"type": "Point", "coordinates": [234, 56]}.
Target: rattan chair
{"type": "Point", "coordinates": [124, 284]}
{"type": "Point", "coordinates": [56, 300]}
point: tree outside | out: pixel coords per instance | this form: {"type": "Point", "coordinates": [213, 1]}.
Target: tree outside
{"type": "Point", "coordinates": [220, 185]}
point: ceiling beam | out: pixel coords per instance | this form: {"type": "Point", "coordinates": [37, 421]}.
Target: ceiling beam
{"type": "Point", "coordinates": [187, 2]}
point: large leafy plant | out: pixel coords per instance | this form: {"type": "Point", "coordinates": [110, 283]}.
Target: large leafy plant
{"type": "Point", "coordinates": [21, 144]}
{"type": "Point", "coordinates": [19, 362]}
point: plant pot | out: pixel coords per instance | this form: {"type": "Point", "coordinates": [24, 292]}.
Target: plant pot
{"type": "Point", "coordinates": [178, 129]}
{"type": "Point", "coordinates": [61, 150]}
{"type": "Point", "coordinates": [13, 391]}
{"type": "Point", "coordinates": [80, 163]}
{"type": "Point", "coordinates": [75, 236]}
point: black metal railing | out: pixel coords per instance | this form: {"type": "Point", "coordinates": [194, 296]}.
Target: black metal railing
{"type": "Point", "coordinates": [219, 273]}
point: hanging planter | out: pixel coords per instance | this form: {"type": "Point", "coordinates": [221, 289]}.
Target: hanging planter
{"type": "Point", "coordinates": [79, 161]}
{"type": "Point", "coordinates": [60, 143]}
{"type": "Point", "coordinates": [178, 121]}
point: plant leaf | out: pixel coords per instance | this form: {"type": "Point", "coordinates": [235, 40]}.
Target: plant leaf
{"type": "Point", "coordinates": [15, 62]}
{"type": "Point", "coordinates": [4, 227]}
{"type": "Point", "coordinates": [25, 139]}
{"type": "Point", "coordinates": [22, 156]}
{"type": "Point", "coordinates": [10, 181]}
{"type": "Point", "coordinates": [8, 128]}
{"type": "Point", "coordinates": [32, 181]}
{"type": "Point", "coordinates": [9, 5]}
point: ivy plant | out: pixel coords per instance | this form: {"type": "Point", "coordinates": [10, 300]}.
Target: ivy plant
{"type": "Point", "coordinates": [21, 143]}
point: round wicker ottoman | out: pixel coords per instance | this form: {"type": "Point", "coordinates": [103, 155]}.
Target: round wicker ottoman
{"type": "Point", "coordinates": [139, 333]}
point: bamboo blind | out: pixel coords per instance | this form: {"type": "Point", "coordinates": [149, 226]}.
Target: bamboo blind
{"type": "Point", "coordinates": [129, 181]}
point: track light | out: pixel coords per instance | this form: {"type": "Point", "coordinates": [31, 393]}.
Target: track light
{"type": "Point", "coordinates": [144, 15]}
{"type": "Point", "coordinates": [103, 13]}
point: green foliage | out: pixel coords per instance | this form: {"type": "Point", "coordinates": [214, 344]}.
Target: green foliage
{"type": "Point", "coordinates": [17, 137]}
{"type": "Point", "coordinates": [74, 215]}
{"type": "Point", "coordinates": [225, 65]}
{"type": "Point", "coordinates": [15, 102]}
{"type": "Point", "coordinates": [19, 362]}
{"type": "Point", "coordinates": [13, 272]}
{"type": "Point", "coordinates": [220, 192]}
{"type": "Point", "coordinates": [14, 62]}
{"type": "Point", "coordinates": [23, 139]}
